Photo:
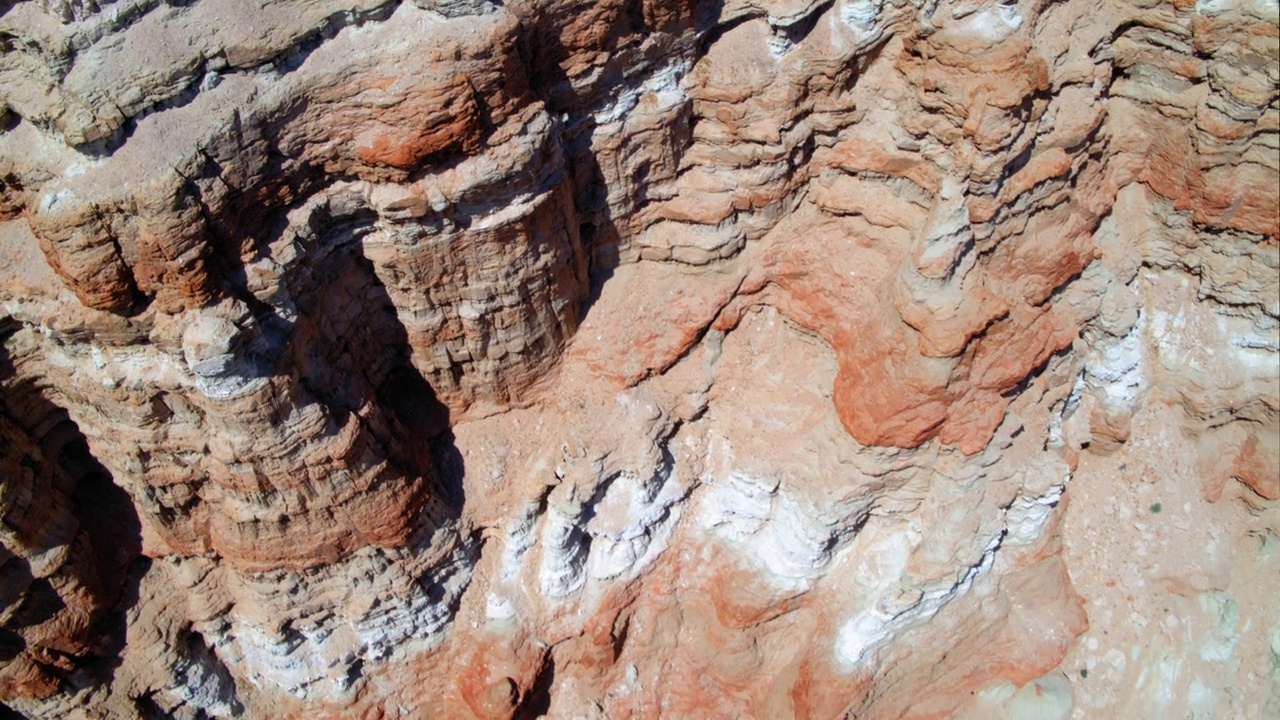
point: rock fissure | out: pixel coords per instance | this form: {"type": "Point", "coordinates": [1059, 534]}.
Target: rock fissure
{"type": "Point", "coordinates": [762, 339]}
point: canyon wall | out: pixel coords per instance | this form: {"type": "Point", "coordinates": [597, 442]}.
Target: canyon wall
{"type": "Point", "coordinates": [639, 359]}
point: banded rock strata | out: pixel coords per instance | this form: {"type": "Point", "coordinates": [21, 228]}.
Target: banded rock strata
{"type": "Point", "coordinates": [706, 358]}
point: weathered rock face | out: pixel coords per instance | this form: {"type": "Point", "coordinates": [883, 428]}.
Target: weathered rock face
{"type": "Point", "coordinates": [458, 358]}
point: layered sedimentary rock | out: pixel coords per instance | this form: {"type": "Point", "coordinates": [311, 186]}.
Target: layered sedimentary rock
{"type": "Point", "coordinates": [458, 358]}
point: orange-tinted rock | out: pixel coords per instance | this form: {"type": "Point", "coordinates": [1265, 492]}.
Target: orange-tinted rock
{"type": "Point", "coordinates": [459, 358]}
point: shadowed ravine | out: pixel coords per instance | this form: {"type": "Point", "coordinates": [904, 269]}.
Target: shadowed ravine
{"type": "Point", "coordinates": [637, 359]}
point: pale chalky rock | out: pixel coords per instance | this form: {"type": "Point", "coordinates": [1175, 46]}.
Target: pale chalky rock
{"type": "Point", "coordinates": [694, 359]}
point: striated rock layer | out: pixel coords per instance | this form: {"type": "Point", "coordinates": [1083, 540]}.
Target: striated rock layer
{"type": "Point", "coordinates": [690, 359]}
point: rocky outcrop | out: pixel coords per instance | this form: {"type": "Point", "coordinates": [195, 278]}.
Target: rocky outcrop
{"type": "Point", "coordinates": [635, 359]}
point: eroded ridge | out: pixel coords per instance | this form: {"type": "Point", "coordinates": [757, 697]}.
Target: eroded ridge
{"type": "Point", "coordinates": [708, 358]}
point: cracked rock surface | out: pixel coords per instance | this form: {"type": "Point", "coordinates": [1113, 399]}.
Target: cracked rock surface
{"type": "Point", "coordinates": [640, 359]}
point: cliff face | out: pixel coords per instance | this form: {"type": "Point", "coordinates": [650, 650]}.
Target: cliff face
{"type": "Point", "coordinates": [699, 358]}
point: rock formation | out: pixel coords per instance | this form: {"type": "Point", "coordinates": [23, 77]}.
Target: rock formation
{"type": "Point", "coordinates": [640, 359]}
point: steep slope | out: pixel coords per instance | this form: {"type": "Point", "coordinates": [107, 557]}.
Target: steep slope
{"type": "Point", "coordinates": [456, 358]}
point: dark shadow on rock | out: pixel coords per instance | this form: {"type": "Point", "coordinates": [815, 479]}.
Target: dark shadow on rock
{"type": "Point", "coordinates": [450, 470]}
{"type": "Point", "coordinates": [349, 351]}
{"type": "Point", "coordinates": [40, 602]}
{"type": "Point", "coordinates": [106, 543]}
{"type": "Point", "coordinates": [543, 51]}
{"type": "Point", "coordinates": [537, 702]}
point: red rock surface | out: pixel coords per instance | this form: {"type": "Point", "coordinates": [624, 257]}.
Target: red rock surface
{"type": "Point", "coordinates": [742, 359]}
